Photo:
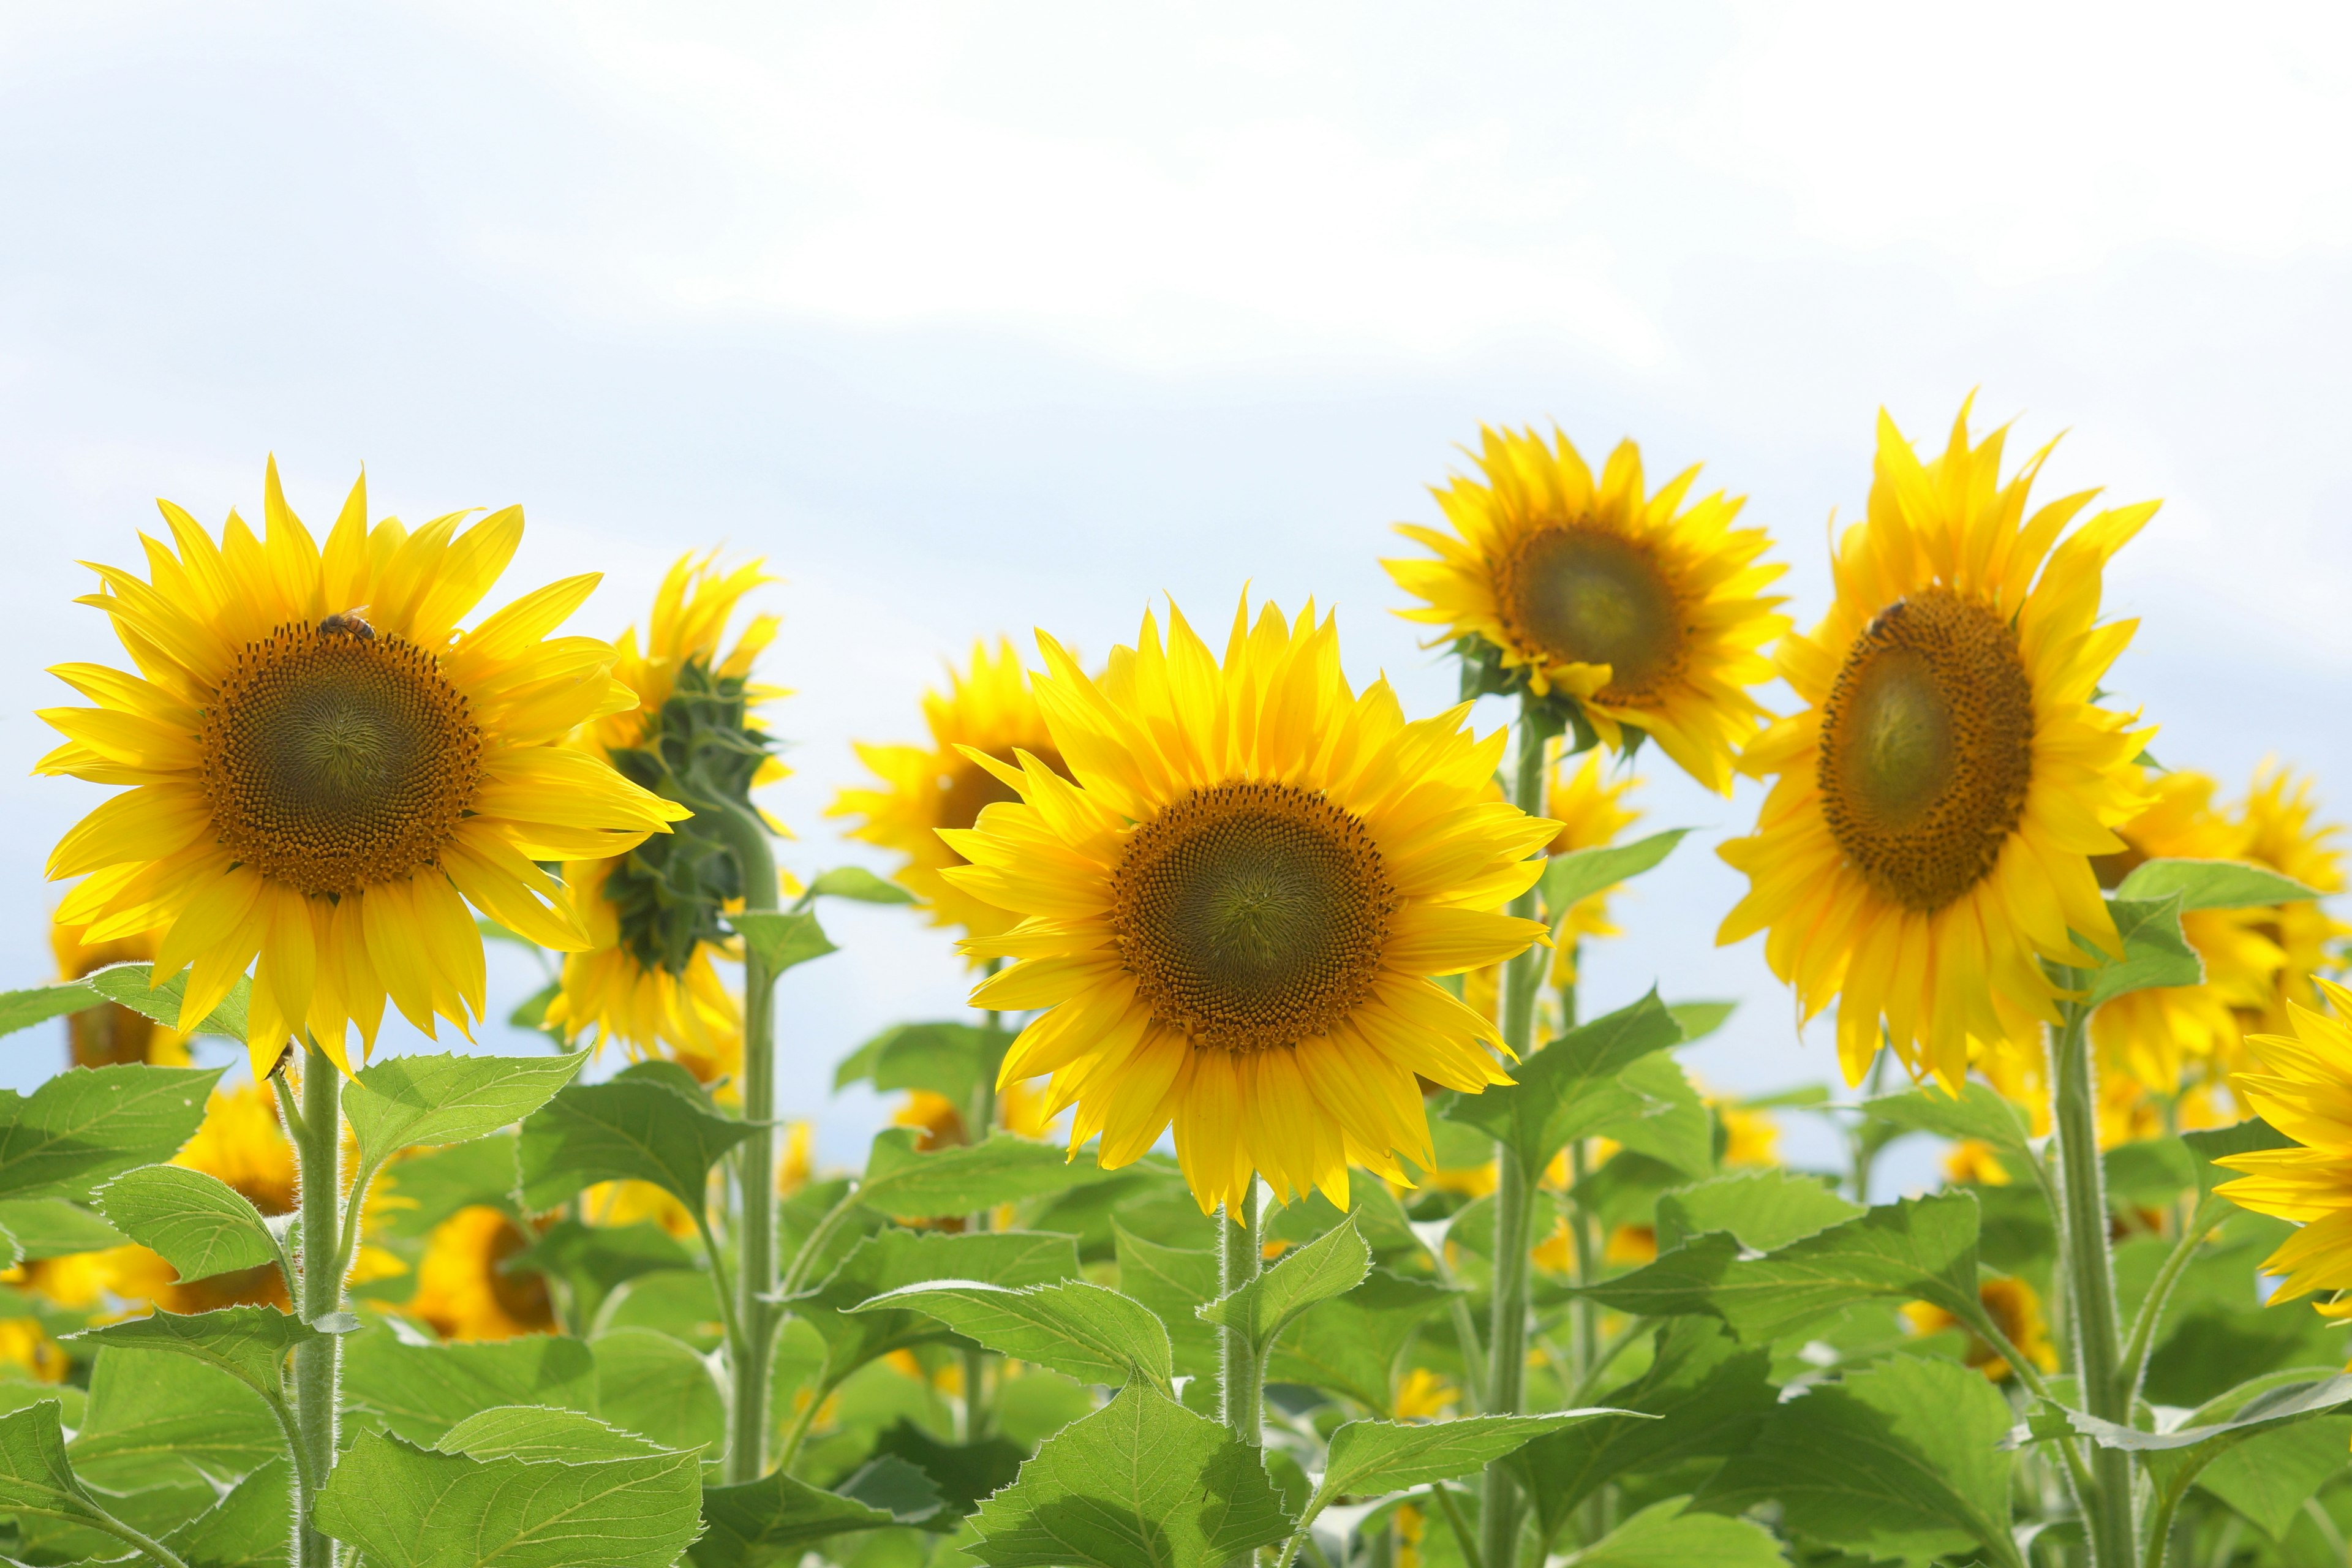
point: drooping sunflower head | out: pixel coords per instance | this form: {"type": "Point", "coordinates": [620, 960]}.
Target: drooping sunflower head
{"type": "Point", "coordinates": [1936, 807]}
{"type": "Point", "coordinates": [1642, 613]}
{"type": "Point", "coordinates": [324, 770]}
{"type": "Point", "coordinates": [686, 1014]}
{"type": "Point", "coordinates": [987, 707]}
{"type": "Point", "coordinates": [1232, 903]}
{"type": "Point", "coordinates": [2301, 1085]}
{"type": "Point", "coordinates": [112, 1032]}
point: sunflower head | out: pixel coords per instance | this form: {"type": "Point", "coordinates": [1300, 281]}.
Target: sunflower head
{"type": "Point", "coordinates": [110, 1031]}
{"type": "Point", "coordinates": [1936, 808]}
{"type": "Point", "coordinates": [2301, 1085]}
{"type": "Point", "coordinates": [2015, 1309]}
{"type": "Point", "coordinates": [987, 707]}
{"type": "Point", "coordinates": [465, 1291]}
{"type": "Point", "coordinates": [1631, 614]}
{"type": "Point", "coordinates": [1231, 904]}
{"type": "Point", "coordinates": [2280, 818]}
{"type": "Point", "coordinates": [324, 770]}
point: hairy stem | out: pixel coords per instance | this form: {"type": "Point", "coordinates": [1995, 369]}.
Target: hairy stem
{"type": "Point", "coordinates": [318, 1362]}
{"type": "Point", "coordinates": [1241, 1381]}
{"type": "Point", "coordinates": [750, 1356]}
{"type": "Point", "coordinates": [2091, 1282]}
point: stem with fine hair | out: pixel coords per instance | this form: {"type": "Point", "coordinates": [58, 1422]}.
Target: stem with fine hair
{"type": "Point", "coordinates": [1506, 1336]}
{"type": "Point", "coordinates": [317, 1139]}
{"type": "Point", "coordinates": [754, 1318]}
{"type": "Point", "coordinates": [1241, 1378]}
{"type": "Point", "coordinates": [2097, 1338]}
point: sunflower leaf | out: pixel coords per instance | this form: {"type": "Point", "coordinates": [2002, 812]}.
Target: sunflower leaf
{"type": "Point", "coordinates": [781, 941]}
{"type": "Point", "coordinates": [1978, 1111]}
{"type": "Point", "coordinates": [444, 1099]}
{"type": "Point", "coordinates": [1141, 1483]}
{"type": "Point", "coordinates": [2217, 1144]}
{"type": "Point", "coordinates": [858, 883]}
{"type": "Point", "coordinates": [1764, 1209]}
{"type": "Point", "coordinates": [634, 1129]}
{"type": "Point", "coordinates": [2211, 885]}
{"type": "Point", "coordinates": [421, 1391]}
{"type": "Point", "coordinates": [2156, 951]}
{"type": "Point", "coordinates": [895, 1257]}
{"type": "Point", "coordinates": [88, 1125]}
{"type": "Point", "coordinates": [1700, 1019]}
{"type": "Point", "coordinates": [1330, 1266]}
{"type": "Point", "coordinates": [1352, 1343]}
{"type": "Point", "coordinates": [34, 1474]}
{"type": "Point", "coordinates": [1369, 1457]}
{"type": "Point", "coordinates": [130, 983]}
{"type": "Point", "coordinates": [1084, 1330]}
{"type": "Point", "coordinates": [1570, 1087]}
{"type": "Point", "coordinates": [2270, 1475]}
{"type": "Point", "coordinates": [1663, 1535]}
{"type": "Point", "coordinates": [656, 1385]}
{"type": "Point", "coordinates": [249, 1343]}
{"type": "Point", "coordinates": [966, 1177]}
{"type": "Point", "coordinates": [949, 1059]}
{"type": "Point", "coordinates": [199, 1224]}
{"type": "Point", "coordinates": [155, 1413]}
{"type": "Point", "coordinates": [1581, 873]}
{"type": "Point", "coordinates": [245, 1529]}
{"type": "Point", "coordinates": [771, 1520]}
{"type": "Point", "coordinates": [52, 1227]}
{"type": "Point", "coordinates": [23, 1009]}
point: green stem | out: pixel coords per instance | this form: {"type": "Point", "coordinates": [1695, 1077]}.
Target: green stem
{"type": "Point", "coordinates": [752, 1352]}
{"type": "Point", "coordinates": [802, 1419]}
{"type": "Point", "coordinates": [1506, 1333]}
{"type": "Point", "coordinates": [2091, 1280]}
{"type": "Point", "coordinates": [2209, 1213]}
{"type": "Point", "coordinates": [1460, 1526]}
{"type": "Point", "coordinates": [155, 1551]}
{"type": "Point", "coordinates": [318, 1362]}
{"type": "Point", "coordinates": [1241, 1381]}
{"type": "Point", "coordinates": [813, 1248]}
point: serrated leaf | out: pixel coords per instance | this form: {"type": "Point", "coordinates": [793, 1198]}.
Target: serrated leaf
{"type": "Point", "coordinates": [88, 1125]}
{"type": "Point", "coordinates": [1141, 1483]}
{"type": "Point", "coordinates": [128, 983]}
{"type": "Point", "coordinates": [1350, 1344]}
{"type": "Point", "coordinates": [1978, 1111]}
{"type": "Point", "coordinates": [422, 1391]}
{"type": "Point", "coordinates": [2174, 1459]}
{"type": "Point", "coordinates": [1664, 1536]}
{"type": "Point", "coordinates": [633, 1131]}
{"type": "Point", "coordinates": [1763, 1209]}
{"type": "Point", "coordinates": [154, 1414]}
{"type": "Point", "coordinates": [1077, 1329]}
{"type": "Point", "coordinates": [245, 1529]}
{"type": "Point", "coordinates": [959, 1474]}
{"type": "Point", "coordinates": [966, 1178]}
{"type": "Point", "coordinates": [1902, 1459]}
{"type": "Point", "coordinates": [1369, 1457]}
{"type": "Point", "coordinates": [2212, 884]}
{"type": "Point", "coordinates": [1678, 1130]}
{"type": "Point", "coordinates": [412, 1195]}
{"type": "Point", "coordinates": [34, 1475]}
{"type": "Point", "coordinates": [53, 1227]}
{"type": "Point", "coordinates": [1331, 1265]}
{"type": "Point", "coordinates": [38, 1004]}
{"type": "Point", "coordinates": [249, 1343]}
{"type": "Point", "coordinates": [781, 941]}
{"type": "Point", "coordinates": [1578, 875]}
{"type": "Point", "coordinates": [892, 1258]}
{"type": "Point", "coordinates": [858, 883]}
{"type": "Point", "coordinates": [446, 1099]}
{"type": "Point", "coordinates": [773, 1520]}
{"type": "Point", "coordinates": [543, 1435]}
{"type": "Point", "coordinates": [1570, 1087]}
{"type": "Point", "coordinates": [658, 1386]}
{"type": "Point", "coordinates": [199, 1224]}
{"type": "Point", "coordinates": [2156, 952]}
{"type": "Point", "coordinates": [405, 1506]}
{"type": "Point", "coordinates": [1173, 1282]}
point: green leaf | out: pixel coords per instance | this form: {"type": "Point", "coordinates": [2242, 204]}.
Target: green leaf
{"type": "Point", "coordinates": [421, 1391]}
{"type": "Point", "coordinates": [1350, 1344]}
{"type": "Point", "coordinates": [128, 983]}
{"type": "Point", "coordinates": [88, 1125]}
{"type": "Point", "coordinates": [895, 1257]}
{"type": "Point", "coordinates": [415, 1194]}
{"type": "Point", "coordinates": [245, 1529]}
{"type": "Point", "coordinates": [541, 1433]}
{"type": "Point", "coordinates": [781, 941]}
{"type": "Point", "coordinates": [1700, 1019]}
{"type": "Point", "coordinates": [154, 1414]}
{"type": "Point", "coordinates": [530, 1013]}
{"type": "Point", "coordinates": [1701, 1397]}
{"type": "Point", "coordinates": [2211, 885]}
{"type": "Point", "coordinates": [2176, 1459]}
{"type": "Point", "coordinates": [964, 1179]}
{"type": "Point", "coordinates": [775, 1520]}
{"type": "Point", "coordinates": [658, 1386]}
{"type": "Point", "coordinates": [52, 1227]}
{"type": "Point", "coordinates": [1920, 1248]}
{"type": "Point", "coordinates": [405, 1506]}
{"type": "Point", "coordinates": [1084, 1330]}
{"type": "Point", "coordinates": [2156, 952]}
{"type": "Point", "coordinates": [673, 1075]}
{"type": "Point", "coordinates": [1978, 1111]}
{"type": "Point", "coordinates": [1369, 1457]}
{"type": "Point", "coordinates": [1321, 1269]}
{"type": "Point", "coordinates": [1764, 1209]}
{"type": "Point", "coordinates": [1570, 1087]}
{"type": "Point", "coordinates": [858, 882]}
{"type": "Point", "coordinates": [446, 1099]}
{"type": "Point", "coordinates": [1663, 1536]}
{"type": "Point", "coordinates": [35, 1478]}
{"type": "Point", "coordinates": [949, 1059]}
{"type": "Point", "coordinates": [1578, 875]}
{"type": "Point", "coordinates": [592, 1260]}
{"type": "Point", "coordinates": [1679, 1130]}
{"type": "Point", "coordinates": [959, 1474]}
{"type": "Point", "coordinates": [1903, 1459]}
{"type": "Point", "coordinates": [1141, 1483]}
{"type": "Point", "coordinates": [635, 1130]}
{"type": "Point", "coordinates": [199, 1224]}
{"type": "Point", "coordinates": [1173, 1282]}
{"type": "Point", "coordinates": [23, 1009]}
{"type": "Point", "coordinates": [2147, 1173]}
{"type": "Point", "coordinates": [2218, 1143]}
{"type": "Point", "coordinates": [2269, 1476]}
{"type": "Point", "coordinates": [249, 1343]}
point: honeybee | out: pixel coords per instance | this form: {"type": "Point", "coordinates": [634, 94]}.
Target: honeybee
{"type": "Point", "coordinates": [1885, 618]}
{"type": "Point", "coordinates": [347, 624]}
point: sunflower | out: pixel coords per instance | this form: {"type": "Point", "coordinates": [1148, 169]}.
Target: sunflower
{"type": "Point", "coordinates": [987, 707]}
{"type": "Point", "coordinates": [1232, 911]}
{"type": "Point", "coordinates": [645, 977]}
{"type": "Point", "coordinates": [464, 1293]}
{"type": "Point", "coordinates": [2014, 1307]}
{"type": "Point", "coordinates": [324, 771]}
{"type": "Point", "coordinates": [1929, 837]}
{"type": "Point", "coordinates": [2280, 832]}
{"type": "Point", "coordinates": [2301, 1085]}
{"type": "Point", "coordinates": [1591, 809]}
{"type": "Point", "coordinates": [1650, 614]}
{"type": "Point", "coordinates": [111, 1033]}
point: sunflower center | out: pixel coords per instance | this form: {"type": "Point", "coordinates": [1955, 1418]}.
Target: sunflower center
{"type": "Point", "coordinates": [973, 789]}
{"type": "Point", "coordinates": [1927, 748]}
{"type": "Point", "coordinates": [1252, 915]}
{"type": "Point", "coordinates": [335, 760]}
{"type": "Point", "coordinates": [1585, 595]}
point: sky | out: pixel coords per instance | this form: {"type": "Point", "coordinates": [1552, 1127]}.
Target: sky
{"type": "Point", "coordinates": [972, 319]}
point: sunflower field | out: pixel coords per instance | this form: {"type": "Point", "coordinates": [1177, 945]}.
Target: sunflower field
{"type": "Point", "coordinates": [1274, 1202]}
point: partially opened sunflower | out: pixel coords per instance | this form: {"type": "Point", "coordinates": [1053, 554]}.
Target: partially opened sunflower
{"type": "Point", "coordinates": [1230, 917]}
{"type": "Point", "coordinates": [323, 770]}
{"type": "Point", "coordinates": [1936, 807]}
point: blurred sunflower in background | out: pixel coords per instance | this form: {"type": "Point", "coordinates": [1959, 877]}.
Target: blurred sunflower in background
{"type": "Point", "coordinates": [1589, 807]}
{"type": "Point", "coordinates": [323, 770]}
{"type": "Point", "coordinates": [1647, 615]}
{"type": "Point", "coordinates": [988, 708]}
{"type": "Point", "coordinates": [111, 1033]}
{"type": "Point", "coordinates": [463, 1291]}
{"type": "Point", "coordinates": [1927, 844]}
{"type": "Point", "coordinates": [2015, 1309]}
{"type": "Point", "coordinates": [1230, 916]}
{"type": "Point", "coordinates": [645, 977]}
{"type": "Point", "coordinates": [2278, 818]}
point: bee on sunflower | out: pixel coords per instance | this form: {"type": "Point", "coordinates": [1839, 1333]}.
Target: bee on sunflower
{"type": "Point", "coordinates": [1231, 906]}
{"type": "Point", "coordinates": [1631, 614]}
{"type": "Point", "coordinates": [322, 769]}
{"type": "Point", "coordinates": [1928, 841]}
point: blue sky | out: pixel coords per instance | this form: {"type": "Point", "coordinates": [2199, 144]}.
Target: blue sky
{"type": "Point", "coordinates": [976, 319]}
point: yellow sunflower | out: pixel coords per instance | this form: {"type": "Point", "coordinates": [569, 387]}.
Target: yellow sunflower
{"type": "Point", "coordinates": [1589, 807]}
{"type": "Point", "coordinates": [655, 991]}
{"type": "Point", "coordinates": [112, 1032]}
{"type": "Point", "coordinates": [987, 707]}
{"type": "Point", "coordinates": [2014, 1306]}
{"type": "Point", "coordinates": [1929, 837]}
{"type": "Point", "coordinates": [2301, 1085]}
{"type": "Point", "coordinates": [1231, 915]}
{"type": "Point", "coordinates": [462, 1291]}
{"type": "Point", "coordinates": [2277, 816]}
{"type": "Point", "coordinates": [323, 770]}
{"type": "Point", "coordinates": [1651, 615]}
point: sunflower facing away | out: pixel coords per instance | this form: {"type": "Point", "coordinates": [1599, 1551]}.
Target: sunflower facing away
{"type": "Point", "coordinates": [1649, 613]}
{"type": "Point", "coordinates": [324, 771]}
{"type": "Point", "coordinates": [112, 1033]}
{"type": "Point", "coordinates": [987, 707]}
{"type": "Point", "coordinates": [1231, 915]}
{"type": "Point", "coordinates": [2301, 1085]}
{"type": "Point", "coordinates": [1929, 833]}
{"type": "Point", "coordinates": [2278, 817]}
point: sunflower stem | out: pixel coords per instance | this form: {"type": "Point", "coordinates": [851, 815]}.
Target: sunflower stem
{"type": "Point", "coordinates": [750, 1356]}
{"type": "Point", "coordinates": [1241, 1377]}
{"type": "Point", "coordinates": [2097, 1338]}
{"type": "Point", "coordinates": [318, 1362]}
